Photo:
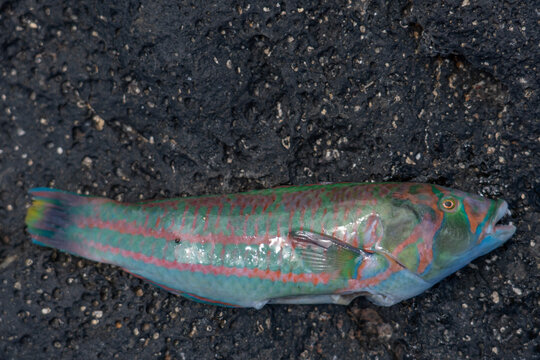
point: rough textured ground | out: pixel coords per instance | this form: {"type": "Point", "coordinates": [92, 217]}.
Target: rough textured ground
{"type": "Point", "coordinates": [146, 99]}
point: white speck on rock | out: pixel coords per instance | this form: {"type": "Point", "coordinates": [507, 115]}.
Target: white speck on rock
{"type": "Point", "coordinates": [99, 123]}
{"type": "Point", "coordinates": [409, 161]}
{"type": "Point", "coordinates": [46, 311]}
{"type": "Point", "coordinates": [286, 142]}
{"type": "Point", "coordinates": [279, 111]}
{"type": "Point", "coordinates": [87, 161]}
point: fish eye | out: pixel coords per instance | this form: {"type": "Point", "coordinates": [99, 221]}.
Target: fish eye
{"type": "Point", "coordinates": [448, 204]}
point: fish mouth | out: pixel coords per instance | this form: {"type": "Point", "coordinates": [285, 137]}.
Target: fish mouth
{"type": "Point", "coordinates": [498, 230]}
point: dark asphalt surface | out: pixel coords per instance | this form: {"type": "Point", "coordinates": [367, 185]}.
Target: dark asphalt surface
{"type": "Point", "coordinates": [147, 99]}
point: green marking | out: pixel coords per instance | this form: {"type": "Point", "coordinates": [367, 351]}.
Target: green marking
{"type": "Point", "coordinates": [410, 257]}
{"type": "Point", "coordinates": [212, 220]}
{"type": "Point", "coordinates": [415, 189]}
{"type": "Point", "coordinates": [170, 254]}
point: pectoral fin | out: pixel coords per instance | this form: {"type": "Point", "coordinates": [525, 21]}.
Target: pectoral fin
{"type": "Point", "coordinates": [323, 253]}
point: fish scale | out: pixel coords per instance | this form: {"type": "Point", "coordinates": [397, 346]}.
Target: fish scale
{"type": "Point", "coordinates": [245, 212]}
{"type": "Point", "coordinates": [241, 249]}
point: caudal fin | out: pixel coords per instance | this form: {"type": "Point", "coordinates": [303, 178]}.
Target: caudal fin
{"type": "Point", "coordinates": [49, 217]}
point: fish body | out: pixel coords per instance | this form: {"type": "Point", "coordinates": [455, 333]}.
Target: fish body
{"type": "Point", "coordinates": [296, 244]}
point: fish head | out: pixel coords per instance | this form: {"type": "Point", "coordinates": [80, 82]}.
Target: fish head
{"type": "Point", "coordinates": [452, 228]}
{"type": "Point", "coordinates": [469, 229]}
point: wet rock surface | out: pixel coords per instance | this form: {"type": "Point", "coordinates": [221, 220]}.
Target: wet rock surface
{"type": "Point", "coordinates": [148, 99]}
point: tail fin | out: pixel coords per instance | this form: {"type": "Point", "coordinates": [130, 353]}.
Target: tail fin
{"type": "Point", "coordinates": [49, 217]}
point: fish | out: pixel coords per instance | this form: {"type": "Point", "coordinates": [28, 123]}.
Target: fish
{"type": "Point", "coordinates": [306, 244]}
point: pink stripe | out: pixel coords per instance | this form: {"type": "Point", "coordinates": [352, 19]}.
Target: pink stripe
{"type": "Point", "coordinates": [195, 219]}
{"type": "Point", "coordinates": [246, 219]}
{"type": "Point", "coordinates": [334, 217]}
{"type": "Point", "coordinates": [302, 215]}
{"type": "Point", "coordinates": [184, 217]}
{"type": "Point", "coordinates": [220, 209]}
{"type": "Point", "coordinates": [212, 269]}
{"type": "Point", "coordinates": [322, 220]}
{"type": "Point", "coordinates": [160, 204]}
{"type": "Point", "coordinates": [206, 218]}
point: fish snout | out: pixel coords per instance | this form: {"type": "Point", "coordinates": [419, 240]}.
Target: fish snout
{"type": "Point", "coordinates": [497, 229]}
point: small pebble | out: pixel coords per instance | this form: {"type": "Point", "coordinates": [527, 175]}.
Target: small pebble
{"type": "Point", "coordinates": [495, 297]}
{"type": "Point", "coordinates": [99, 123]}
{"type": "Point", "coordinates": [87, 162]}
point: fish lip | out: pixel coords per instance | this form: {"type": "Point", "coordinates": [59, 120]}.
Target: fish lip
{"type": "Point", "coordinates": [501, 231]}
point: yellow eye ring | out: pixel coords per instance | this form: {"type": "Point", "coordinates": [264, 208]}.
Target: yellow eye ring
{"type": "Point", "coordinates": [448, 204]}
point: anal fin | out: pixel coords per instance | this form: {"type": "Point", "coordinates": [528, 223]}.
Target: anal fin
{"type": "Point", "coordinates": [338, 299]}
{"type": "Point", "coordinates": [185, 294]}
